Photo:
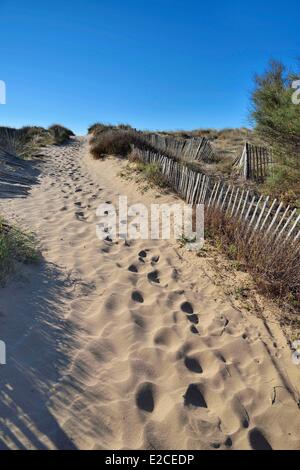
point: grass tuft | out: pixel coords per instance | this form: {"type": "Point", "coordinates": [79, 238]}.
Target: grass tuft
{"type": "Point", "coordinates": [15, 246]}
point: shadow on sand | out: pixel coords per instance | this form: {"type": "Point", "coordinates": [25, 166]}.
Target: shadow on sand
{"type": "Point", "coordinates": [39, 342]}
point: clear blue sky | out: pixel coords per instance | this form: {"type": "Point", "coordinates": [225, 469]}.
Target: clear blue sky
{"type": "Point", "coordinates": [157, 64]}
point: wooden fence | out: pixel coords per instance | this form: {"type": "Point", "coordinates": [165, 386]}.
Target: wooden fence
{"type": "Point", "coordinates": [16, 175]}
{"type": "Point", "coordinates": [259, 213]}
{"type": "Point", "coordinates": [255, 163]}
{"type": "Point", "coordinates": [187, 149]}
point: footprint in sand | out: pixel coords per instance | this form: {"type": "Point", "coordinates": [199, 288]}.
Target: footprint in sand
{"type": "Point", "coordinates": [193, 397]}
{"type": "Point", "coordinates": [193, 365]}
{"type": "Point", "coordinates": [137, 297]}
{"type": "Point", "coordinates": [79, 215]}
{"type": "Point", "coordinates": [132, 268]}
{"type": "Point", "coordinates": [193, 319]}
{"type": "Point", "coordinates": [258, 441]}
{"type": "Point", "coordinates": [145, 397]}
{"type": "Point", "coordinates": [154, 277]}
{"type": "Point", "coordinates": [194, 330]}
{"type": "Point", "coordinates": [228, 442]}
{"type": "Point", "coordinates": [188, 309]}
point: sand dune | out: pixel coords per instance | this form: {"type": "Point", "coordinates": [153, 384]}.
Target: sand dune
{"type": "Point", "coordinates": [115, 345]}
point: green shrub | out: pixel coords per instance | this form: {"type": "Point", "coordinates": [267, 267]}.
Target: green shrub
{"type": "Point", "coordinates": [277, 122]}
{"type": "Point", "coordinates": [152, 171]}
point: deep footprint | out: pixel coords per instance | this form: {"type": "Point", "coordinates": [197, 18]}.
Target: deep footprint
{"type": "Point", "coordinates": [194, 330]}
{"type": "Point", "coordinates": [187, 307]}
{"type": "Point", "coordinates": [193, 319]}
{"type": "Point", "coordinates": [193, 365]}
{"type": "Point", "coordinates": [154, 277]}
{"type": "Point", "coordinates": [258, 441]}
{"type": "Point", "coordinates": [193, 397]}
{"type": "Point", "coordinates": [137, 297]}
{"type": "Point", "coordinates": [133, 269]}
{"type": "Point", "coordinates": [144, 397]}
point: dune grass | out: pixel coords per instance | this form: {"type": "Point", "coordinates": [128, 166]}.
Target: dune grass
{"type": "Point", "coordinates": [114, 140]}
{"type": "Point", "coordinates": [60, 134]}
{"type": "Point", "coordinates": [15, 246]}
{"type": "Point", "coordinates": [27, 141]}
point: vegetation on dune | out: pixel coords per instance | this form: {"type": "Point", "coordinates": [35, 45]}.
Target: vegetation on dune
{"type": "Point", "coordinates": [23, 142]}
{"type": "Point", "coordinates": [27, 140]}
{"type": "Point", "coordinates": [100, 127]}
{"type": "Point", "coordinates": [275, 270]}
{"type": "Point", "coordinates": [277, 122]}
{"type": "Point", "coordinates": [15, 246]}
{"type": "Point", "coordinates": [153, 173]}
{"type": "Point", "coordinates": [115, 140]}
{"type": "Point", "coordinates": [60, 133]}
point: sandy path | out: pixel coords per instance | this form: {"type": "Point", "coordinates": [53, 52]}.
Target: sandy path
{"type": "Point", "coordinates": [93, 365]}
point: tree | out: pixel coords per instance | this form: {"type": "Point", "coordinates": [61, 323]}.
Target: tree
{"type": "Point", "coordinates": [276, 116]}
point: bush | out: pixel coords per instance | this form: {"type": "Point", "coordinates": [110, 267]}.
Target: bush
{"type": "Point", "coordinates": [277, 121]}
{"type": "Point", "coordinates": [115, 141]}
{"type": "Point", "coordinates": [152, 172]}
{"type": "Point", "coordinates": [99, 127]}
{"type": "Point", "coordinates": [60, 134]}
{"type": "Point", "coordinates": [275, 269]}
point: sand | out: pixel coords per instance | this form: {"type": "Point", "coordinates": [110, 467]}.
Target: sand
{"type": "Point", "coordinates": [130, 345]}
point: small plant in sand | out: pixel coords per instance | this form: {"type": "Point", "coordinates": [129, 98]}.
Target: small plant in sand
{"type": "Point", "coordinates": [184, 240]}
{"type": "Point", "coordinates": [15, 245]}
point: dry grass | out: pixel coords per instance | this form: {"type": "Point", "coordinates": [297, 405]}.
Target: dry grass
{"type": "Point", "coordinates": [275, 267]}
{"type": "Point", "coordinates": [26, 141]}
{"type": "Point", "coordinates": [60, 134]}
{"type": "Point", "coordinates": [15, 245]}
{"type": "Point", "coordinates": [228, 143]}
{"type": "Point", "coordinates": [115, 141]}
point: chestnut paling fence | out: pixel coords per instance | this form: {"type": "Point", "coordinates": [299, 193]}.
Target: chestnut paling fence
{"type": "Point", "coordinates": [198, 148]}
{"type": "Point", "coordinates": [256, 163]}
{"type": "Point", "coordinates": [259, 213]}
